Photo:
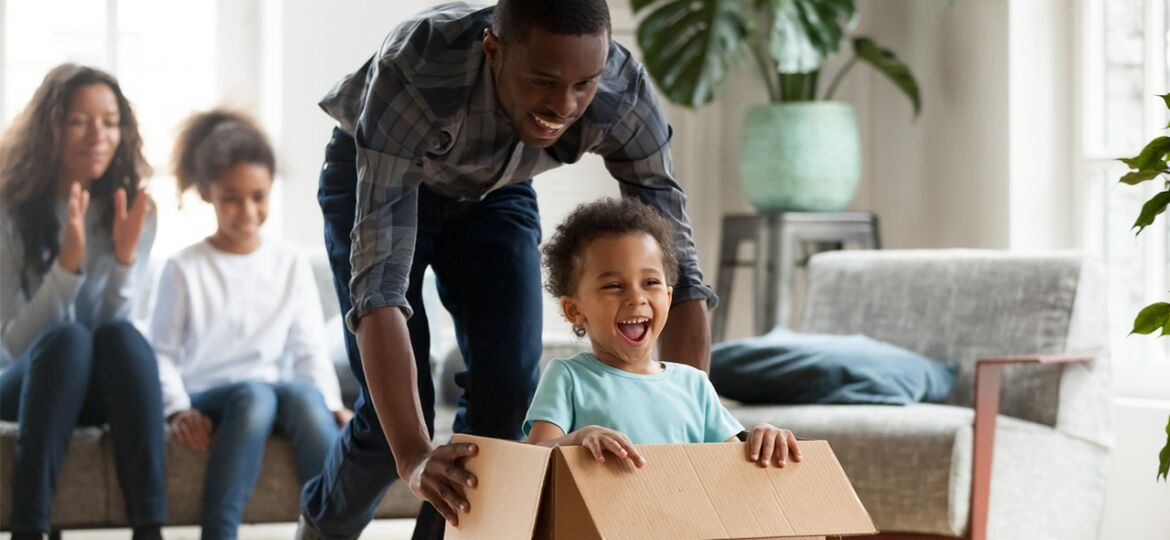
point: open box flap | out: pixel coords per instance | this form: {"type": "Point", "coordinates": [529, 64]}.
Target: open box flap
{"type": "Point", "coordinates": [505, 502]}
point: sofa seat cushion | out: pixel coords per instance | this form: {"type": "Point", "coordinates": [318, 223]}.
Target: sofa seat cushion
{"type": "Point", "coordinates": [88, 494]}
{"type": "Point", "coordinates": [910, 465]}
{"type": "Point", "coordinates": [82, 499]}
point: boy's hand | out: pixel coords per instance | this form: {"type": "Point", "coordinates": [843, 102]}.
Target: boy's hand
{"type": "Point", "coordinates": [767, 441]}
{"type": "Point", "coordinates": [192, 429]}
{"type": "Point", "coordinates": [599, 440]}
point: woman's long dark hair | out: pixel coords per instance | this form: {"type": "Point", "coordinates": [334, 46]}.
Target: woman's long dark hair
{"type": "Point", "coordinates": [30, 160]}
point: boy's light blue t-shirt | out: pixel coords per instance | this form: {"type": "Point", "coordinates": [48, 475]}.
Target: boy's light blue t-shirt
{"type": "Point", "coordinates": [678, 405]}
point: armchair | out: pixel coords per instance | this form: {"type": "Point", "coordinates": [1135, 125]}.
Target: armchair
{"type": "Point", "coordinates": [1019, 449]}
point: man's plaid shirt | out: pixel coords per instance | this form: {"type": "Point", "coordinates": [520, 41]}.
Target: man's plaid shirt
{"type": "Point", "coordinates": [423, 111]}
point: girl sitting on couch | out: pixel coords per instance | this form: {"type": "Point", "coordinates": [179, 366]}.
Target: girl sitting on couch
{"type": "Point", "coordinates": [231, 313]}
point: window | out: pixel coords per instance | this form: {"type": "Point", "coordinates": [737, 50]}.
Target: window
{"type": "Point", "coordinates": [164, 55]}
{"type": "Point", "coordinates": [1124, 53]}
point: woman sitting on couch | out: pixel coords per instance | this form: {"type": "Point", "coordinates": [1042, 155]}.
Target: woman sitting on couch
{"type": "Point", "coordinates": [76, 228]}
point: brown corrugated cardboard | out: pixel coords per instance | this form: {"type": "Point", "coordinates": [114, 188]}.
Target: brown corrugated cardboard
{"type": "Point", "coordinates": [686, 491]}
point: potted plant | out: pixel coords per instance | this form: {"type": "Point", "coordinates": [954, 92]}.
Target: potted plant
{"type": "Point", "coordinates": [1152, 164]}
{"type": "Point", "coordinates": [800, 151]}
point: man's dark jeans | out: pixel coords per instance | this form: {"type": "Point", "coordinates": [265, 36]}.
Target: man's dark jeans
{"type": "Point", "coordinates": [70, 377]}
{"type": "Point", "coordinates": [486, 259]}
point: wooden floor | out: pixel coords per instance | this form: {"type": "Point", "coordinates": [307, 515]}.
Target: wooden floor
{"type": "Point", "coordinates": [388, 529]}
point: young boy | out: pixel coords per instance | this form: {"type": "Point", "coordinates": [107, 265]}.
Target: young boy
{"type": "Point", "coordinates": [610, 264]}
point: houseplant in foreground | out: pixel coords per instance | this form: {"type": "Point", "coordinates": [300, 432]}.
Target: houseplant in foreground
{"type": "Point", "coordinates": [801, 150]}
{"type": "Point", "coordinates": [1152, 164]}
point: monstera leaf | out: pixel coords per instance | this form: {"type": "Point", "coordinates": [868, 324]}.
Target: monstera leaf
{"type": "Point", "coordinates": [806, 32]}
{"type": "Point", "coordinates": [689, 46]}
{"type": "Point", "coordinates": [888, 64]}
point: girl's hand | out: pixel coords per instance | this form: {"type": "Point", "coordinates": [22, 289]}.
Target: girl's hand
{"type": "Point", "coordinates": [192, 429]}
{"type": "Point", "coordinates": [599, 440]}
{"type": "Point", "coordinates": [72, 252]}
{"type": "Point", "coordinates": [341, 416]}
{"type": "Point", "coordinates": [767, 441]}
{"type": "Point", "coordinates": [128, 224]}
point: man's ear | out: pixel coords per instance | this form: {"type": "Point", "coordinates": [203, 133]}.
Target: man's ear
{"type": "Point", "coordinates": [571, 310]}
{"type": "Point", "coordinates": [492, 48]}
{"type": "Point", "coordinates": [669, 294]}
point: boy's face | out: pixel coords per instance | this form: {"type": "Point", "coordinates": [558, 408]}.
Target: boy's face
{"type": "Point", "coordinates": [546, 82]}
{"type": "Point", "coordinates": [621, 299]}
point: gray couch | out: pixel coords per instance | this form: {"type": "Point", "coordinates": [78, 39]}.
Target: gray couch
{"type": "Point", "coordinates": [88, 495]}
{"type": "Point", "coordinates": [913, 467]}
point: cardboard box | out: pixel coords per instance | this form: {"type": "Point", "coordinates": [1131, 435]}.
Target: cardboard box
{"type": "Point", "coordinates": [686, 491]}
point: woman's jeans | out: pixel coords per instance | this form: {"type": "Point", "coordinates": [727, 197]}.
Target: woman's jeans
{"type": "Point", "coordinates": [244, 415]}
{"type": "Point", "coordinates": [73, 376]}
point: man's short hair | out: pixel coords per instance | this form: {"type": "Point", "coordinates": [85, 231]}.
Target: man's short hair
{"type": "Point", "coordinates": [514, 18]}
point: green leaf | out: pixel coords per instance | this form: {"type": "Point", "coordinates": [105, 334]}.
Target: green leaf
{"type": "Point", "coordinates": [1166, 99]}
{"type": "Point", "coordinates": [1156, 205]}
{"type": "Point", "coordinates": [806, 32]}
{"type": "Point", "coordinates": [688, 47]}
{"type": "Point", "coordinates": [1152, 156]}
{"type": "Point", "coordinates": [1151, 318]}
{"type": "Point", "coordinates": [1164, 456]}
{"type": "Point", "coordinates": [888, 64]}
{"type": "Point", "coordinates": [638, 5]}
{"type": "Point", "coordinates": [1136, 177]}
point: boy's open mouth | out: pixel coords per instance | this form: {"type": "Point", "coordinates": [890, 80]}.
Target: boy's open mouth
{"type": "Point", "coordinates": [635, 329]}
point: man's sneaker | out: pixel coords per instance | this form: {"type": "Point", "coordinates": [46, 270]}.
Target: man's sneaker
{"type": "Point", "coordinates": [306, 531]}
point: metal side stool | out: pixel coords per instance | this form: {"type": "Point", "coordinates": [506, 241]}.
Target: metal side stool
{"type": "Point", "coordinates": [783, 242]}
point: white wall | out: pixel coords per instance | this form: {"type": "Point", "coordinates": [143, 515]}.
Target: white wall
{"type": "Point", "coordinates": [1137, 504]}
{"type": "Point", "coordinates": [319, 42]}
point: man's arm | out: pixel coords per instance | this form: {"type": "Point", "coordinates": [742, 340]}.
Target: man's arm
{"type": "Point", "coordinates": [686, 339]}
{"type": "Point", "coordinates": [388, 361]}
{"type": "Point", "coordinates": [637, 154]}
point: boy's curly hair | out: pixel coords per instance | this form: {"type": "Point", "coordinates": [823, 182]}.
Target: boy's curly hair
{"type": "Point", "coordinates": [590, 221]}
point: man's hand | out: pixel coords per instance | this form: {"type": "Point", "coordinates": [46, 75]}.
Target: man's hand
{"type": "Point", "coordinates": [192, 429]}
{"type": "Point", "coordinates": [767, 441]}
{"type": "Point", "coordinates": [599, 440]}
{"type": "Point", "coordinates": [686, 339]}
{"type": "Point", "coordinates": [439, 478]}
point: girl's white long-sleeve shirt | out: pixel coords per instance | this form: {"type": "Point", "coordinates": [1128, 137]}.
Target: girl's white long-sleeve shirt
{"type": "Point", "coordinates": [219, 318]}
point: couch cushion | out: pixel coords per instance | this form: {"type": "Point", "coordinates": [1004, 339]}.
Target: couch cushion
{"type": "Point", "coordinates": [910, 465]}
{"type": "Point", "coordinates": [786, 367]}
{"type": "Point", "coordinates": [81, 498]}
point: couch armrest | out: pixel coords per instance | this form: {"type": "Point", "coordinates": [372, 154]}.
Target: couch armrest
{"type": "Point", "coordinates": [988, 381]}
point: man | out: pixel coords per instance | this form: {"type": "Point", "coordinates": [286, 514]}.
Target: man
{"type": "Point", "coordinates": [439, 136]}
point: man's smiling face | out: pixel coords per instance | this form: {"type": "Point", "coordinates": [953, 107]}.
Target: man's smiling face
{"type": "Point", "coordinates": [547, 81]}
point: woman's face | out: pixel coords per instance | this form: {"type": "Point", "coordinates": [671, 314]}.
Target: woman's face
{"type": "Point", "coordinates": [91, 134]}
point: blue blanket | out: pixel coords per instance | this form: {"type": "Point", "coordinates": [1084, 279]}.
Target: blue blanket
{"type": "Point", "coordinates": [785, 367]}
